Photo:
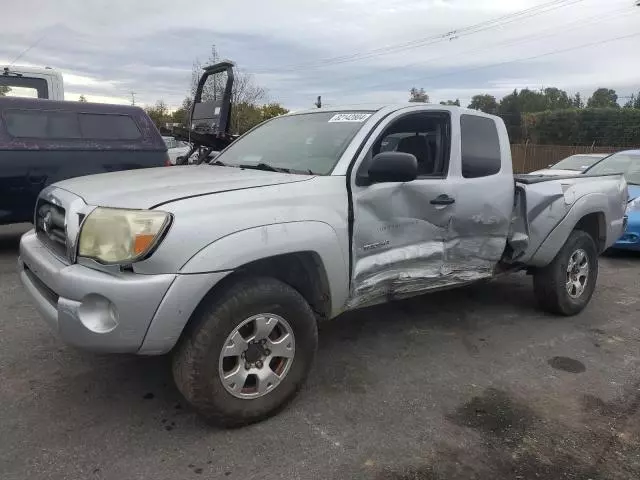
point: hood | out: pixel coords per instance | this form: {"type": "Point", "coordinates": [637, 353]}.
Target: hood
{"type": "Point", "coordinates": [550, 171]}
{"type": "Point", "coordinates": [150, 187]}
{"type": "Point", "coordinates": [634, 191]}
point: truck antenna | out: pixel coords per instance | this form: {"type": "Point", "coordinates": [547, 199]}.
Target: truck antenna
{"type": "Point", "coordinates": [22, 54]}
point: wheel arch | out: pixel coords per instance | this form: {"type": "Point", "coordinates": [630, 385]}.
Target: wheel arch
{"type": "Point", "coordinates": [595, 225]}
{"type": "Point", "coordinates": [292, 252]}
{"type": "Point", "coordinates": [304, 271]}
{"type": "Point", "coordinates": [588, 215]}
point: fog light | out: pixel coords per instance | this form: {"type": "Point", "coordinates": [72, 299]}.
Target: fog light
{"type": "Point", "coordinates": [98, 314]}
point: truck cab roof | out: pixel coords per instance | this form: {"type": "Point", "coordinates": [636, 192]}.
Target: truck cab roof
{"type": "Point", "coordinates": [386, 108]}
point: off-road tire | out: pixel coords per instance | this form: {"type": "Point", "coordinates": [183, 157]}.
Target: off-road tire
{"type": "Point", "coordinates": [549, 283]}
{"type": "Point", "coordinates": [196, 357]}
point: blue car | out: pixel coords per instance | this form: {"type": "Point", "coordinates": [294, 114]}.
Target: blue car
{"type": "Point", "coordinates": [628, 163]}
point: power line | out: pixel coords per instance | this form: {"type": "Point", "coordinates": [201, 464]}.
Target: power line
{"type": "Point", "coordinates": [432, 39]}
{"type": "Point", "coordinates": [422, 42]}
{"type": "Point", "coordinates": [508, 62]}
{"type": "Point", "coordinates": [536, 36]}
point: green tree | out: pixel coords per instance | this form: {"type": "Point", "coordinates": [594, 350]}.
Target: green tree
{"type": "Point", "coordinates": [586, 126]}
{"type": "Point", "coordinates": [485, 103]}
{"type": "Point", "coordinates": [511, 112]}
{"type": "Point", "coordinates": [603, 98]}
{"type": "Point", "coordinates": [634, 101]}
{"type": "Point", "coordinates": [577, 101]}
{"type": "Point", "coordinates": [244, 116]}
{"type": "Point", "coordinates": [271, 110]}
{"type": "Point", "coordinates": [557, 99]}
{"type": "Point", "coordinates": [455, 102]}
{"type": "Point", "coordinates": [4, 90]}
{"type": "Point", "coordinates": [531, 101]}
{"type": "Point", "coordinates": [159, 113]}
{"type": "Point", "coordinates": [82, 99]}
{"type": "Point", "coordinates": [181, 115]}
{"type": "Point", "coordinates": [418, 95]}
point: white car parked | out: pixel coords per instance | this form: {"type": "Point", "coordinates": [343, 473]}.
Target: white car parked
{"type": "Point", "coordinates": [573, 165]}
{"type": "Point", "coordinates": [175, 148]}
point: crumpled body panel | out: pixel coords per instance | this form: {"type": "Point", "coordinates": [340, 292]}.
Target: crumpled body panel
{"type": "Point", "coordinates": [407, 271]}
{"type": "Point", "coordinates": [404, 246]}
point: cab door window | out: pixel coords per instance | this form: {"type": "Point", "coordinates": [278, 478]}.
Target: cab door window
{"type": "Point", "coordinates": [424, 135]}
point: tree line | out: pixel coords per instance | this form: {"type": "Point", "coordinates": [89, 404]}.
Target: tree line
{"type": "Point", "coordinates": [552, 116]}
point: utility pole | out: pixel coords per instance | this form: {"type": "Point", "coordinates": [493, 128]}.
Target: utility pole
{"type": "Point", "coordinates": [133, 99]}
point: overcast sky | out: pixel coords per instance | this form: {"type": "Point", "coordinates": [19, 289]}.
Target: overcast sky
{"type": "Point", "coordinates": [106, 49]}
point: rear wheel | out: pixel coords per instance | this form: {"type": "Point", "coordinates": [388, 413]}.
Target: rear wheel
{"type": "Point", "coordinates": [566, 285]}
{"type": "Point", "coordinates": [247, 352]}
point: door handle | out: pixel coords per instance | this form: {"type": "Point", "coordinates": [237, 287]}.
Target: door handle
{"type": "Point", "coordinates": [443, 199]}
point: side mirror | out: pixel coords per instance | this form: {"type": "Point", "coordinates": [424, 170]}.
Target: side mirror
{"type": "Point", "coordinates": [393, 167]}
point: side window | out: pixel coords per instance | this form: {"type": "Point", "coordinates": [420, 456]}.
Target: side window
{"type": "Point", "coordinates": [108, 127]}
{"type": "Point", "coordinates": [480, 146]}
{"type": "Point", "coordinates": [42, 124]}
{"type": "Point", "coordinates": [69, 125]}
{"type": "Point", "coordinates": [424, 135]}
{"type": "Point", "coordinates": [25, 124]}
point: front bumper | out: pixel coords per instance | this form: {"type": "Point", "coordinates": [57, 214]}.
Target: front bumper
{"type": "Point", "coordinates": [122, 312]}
{"type": "Point", "coordinates": [630, 239]}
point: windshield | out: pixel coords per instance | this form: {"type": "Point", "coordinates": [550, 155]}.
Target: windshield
{"type": "Point", "coordinates": [310, 142]}
{"type": "Point", "coordinates": [576, 162]}
{"type": "Point", "coordinates": [171, 142]}
{"type": "Point", "coordinates": [625, 163]}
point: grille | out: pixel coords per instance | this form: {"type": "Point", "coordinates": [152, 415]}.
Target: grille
{"type": "Point", "coordinates": [50, 227]}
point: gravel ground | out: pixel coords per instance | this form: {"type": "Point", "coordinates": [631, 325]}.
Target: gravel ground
{"type": "Point", "coordinates": [469, 384]}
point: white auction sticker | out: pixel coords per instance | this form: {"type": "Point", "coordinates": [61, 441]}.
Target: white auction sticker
{"type": "Point", "coordinates": [349, 117]}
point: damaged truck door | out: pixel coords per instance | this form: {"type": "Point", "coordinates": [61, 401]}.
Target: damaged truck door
{"type": "Point", "coordinates": [447, 226]}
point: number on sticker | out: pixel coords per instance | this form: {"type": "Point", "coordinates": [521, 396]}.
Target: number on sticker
{"type": "Point", "coordinates": [349, 117]}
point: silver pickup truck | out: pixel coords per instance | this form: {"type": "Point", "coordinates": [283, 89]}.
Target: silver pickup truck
{"type": "Point", "coordinates": [230, 265]}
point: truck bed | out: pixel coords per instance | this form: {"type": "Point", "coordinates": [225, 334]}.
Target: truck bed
{"type": "Point", "coordinates": [547, 208]}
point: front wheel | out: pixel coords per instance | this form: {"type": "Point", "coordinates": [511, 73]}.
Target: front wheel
{"type": "Point", "coordinates": [247, 352]}
{"type": "Point", "coordinates": [566, 285]}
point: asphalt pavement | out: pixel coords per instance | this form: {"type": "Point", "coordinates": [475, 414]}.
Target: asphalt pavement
{"type": "Point", "coordinates": [474, 383]}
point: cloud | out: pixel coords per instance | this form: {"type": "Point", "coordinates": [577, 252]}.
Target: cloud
{"type": "Point", "coordinates": [299, 50]}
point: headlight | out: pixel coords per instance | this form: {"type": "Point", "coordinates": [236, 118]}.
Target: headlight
{"type": "Point", "coordinates": [111, 235]}
{"type": "Point", "coordinates": [633, 205]}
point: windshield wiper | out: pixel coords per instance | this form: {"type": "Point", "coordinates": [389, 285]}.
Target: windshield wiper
{"type": "Point", "coordinates": [266, 167]}
{"type": "Point", "coordinates": [218, 163]}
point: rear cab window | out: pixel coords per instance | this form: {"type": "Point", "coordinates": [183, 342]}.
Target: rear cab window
{"type": "Point", "coordinates": [19, 86]}
{"type": "Point", "coordinates": [480, 146]}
